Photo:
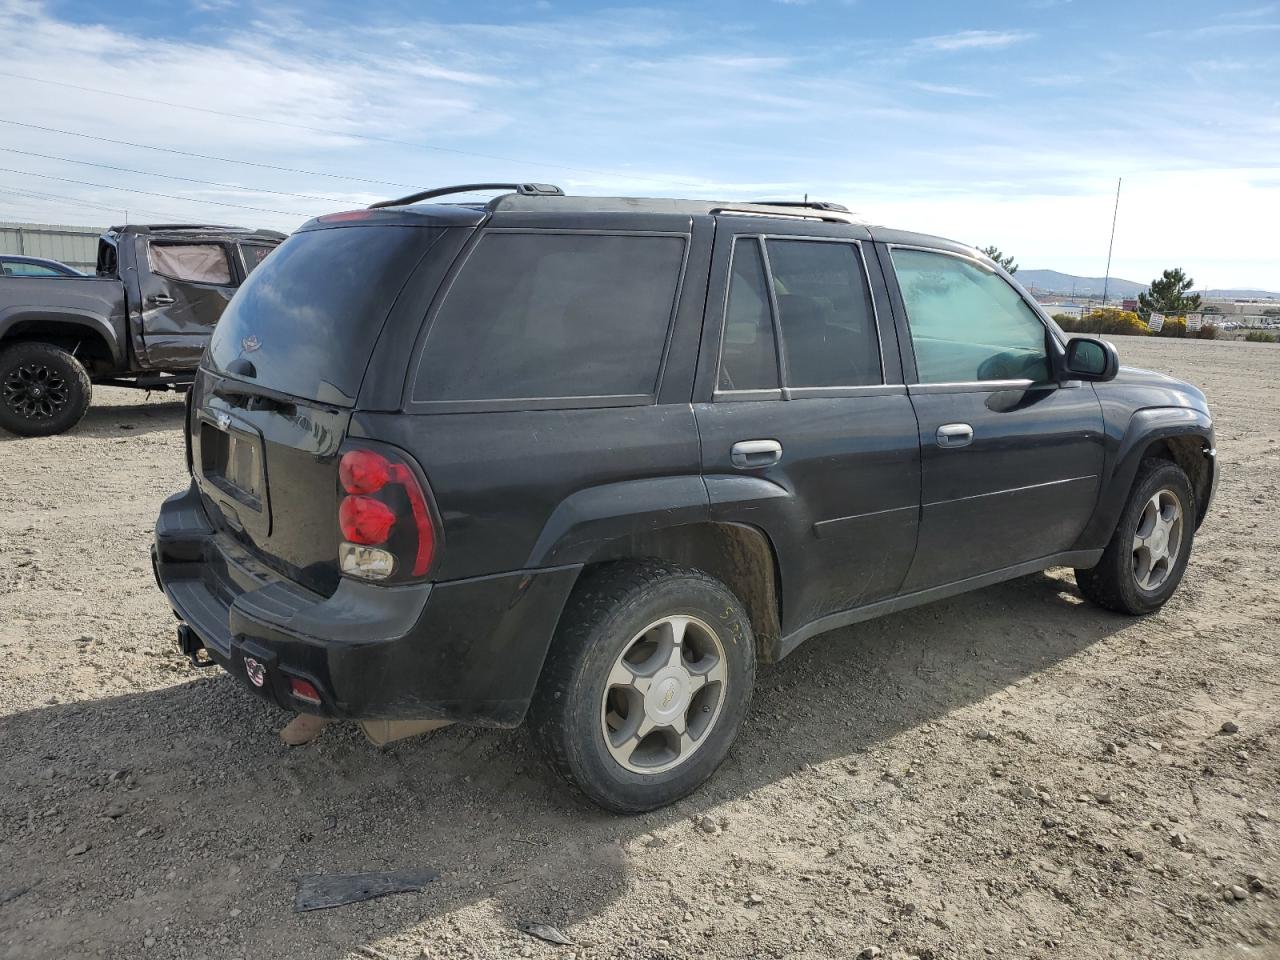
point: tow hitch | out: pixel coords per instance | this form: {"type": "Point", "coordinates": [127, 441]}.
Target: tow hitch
{"type": "Point", "coordinates": [191, 646]}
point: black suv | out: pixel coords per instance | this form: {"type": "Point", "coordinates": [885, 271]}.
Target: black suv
{"type": "Point", "coordinates": [587, 461]}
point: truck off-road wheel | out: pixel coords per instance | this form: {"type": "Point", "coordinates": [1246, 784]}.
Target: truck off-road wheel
{"type": "Point", "coordinates": [43, 390]}
{"type": "Point", "coordinates": [646, 685]}
{"type": "Point", "coordinates": [1144, 562]}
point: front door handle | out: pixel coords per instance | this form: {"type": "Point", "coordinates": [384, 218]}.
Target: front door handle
{"type": "Point", "coordinates": [954, 435]}
{"type": "Point", "coordinates": [748, 454]}
{"type": "Point", "coordinates": [159, 300]}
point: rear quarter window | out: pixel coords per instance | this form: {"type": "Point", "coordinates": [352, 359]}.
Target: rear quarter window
{"type": "Point", "coordinates": [548, 316]}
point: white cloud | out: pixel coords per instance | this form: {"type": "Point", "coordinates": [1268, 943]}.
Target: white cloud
{"type": "Point", "coordinates": [972, 40]}
{"type": "Point", "coordinates": [949, 90]}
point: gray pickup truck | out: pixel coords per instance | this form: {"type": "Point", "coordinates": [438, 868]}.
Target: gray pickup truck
{"type": "Point", "coordinates": [142, 321]}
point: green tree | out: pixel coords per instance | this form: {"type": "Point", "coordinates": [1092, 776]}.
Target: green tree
{"type": "Point", "coordinates": [1005, 261]}
{"type": "Point", "coordinates": [1168, 295]}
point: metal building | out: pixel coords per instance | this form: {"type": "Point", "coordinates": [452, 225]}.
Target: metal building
{"type": "Point", "coordinates": [75, 246]}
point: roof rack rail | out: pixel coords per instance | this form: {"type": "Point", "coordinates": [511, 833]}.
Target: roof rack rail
{"type": "Point", "coordinates": [524, 189]}
{"type": "Point", "coordinates": [811, 204]}
{"type": "Point", "coordinates": [808, 211]}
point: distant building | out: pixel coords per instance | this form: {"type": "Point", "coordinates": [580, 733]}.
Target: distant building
{"type": "Point", "coordinates": [75, 246]}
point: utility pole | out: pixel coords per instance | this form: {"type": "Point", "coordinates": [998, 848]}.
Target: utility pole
{"type": "Point", "coordinates": [1106, 281]}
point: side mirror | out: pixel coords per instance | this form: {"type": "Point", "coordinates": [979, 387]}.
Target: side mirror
{"type": "Point", "coordinates": [1089, 358]}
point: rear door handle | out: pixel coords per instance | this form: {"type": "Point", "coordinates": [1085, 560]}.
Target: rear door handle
{"type": "Point", "coordinates": [747, 454]}
{"type": "Point", "coordinates": [954, 435]}
{"type": "Point", "coordinates": [159, 300]}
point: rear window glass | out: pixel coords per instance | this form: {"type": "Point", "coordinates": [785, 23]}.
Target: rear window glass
{"type": "Point", "coordinates": [541, 316]}
{"type": "Point", "coordinates": [306, 321]}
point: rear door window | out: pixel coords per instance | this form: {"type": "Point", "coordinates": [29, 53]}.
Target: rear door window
{"type": "Point", "coordinates": [548, 316]}
{"type": "Point", "coordinates": [190, 262]}
{"type": "Point", "coordinates": [820, 309]}
{"type": "Point", "coordinates": [252, 254]}
{"type": "Point", "coordinates": [829, 336]}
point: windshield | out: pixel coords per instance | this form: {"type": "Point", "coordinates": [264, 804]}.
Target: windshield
{"type": "Point", "coordinates": [305, 322]}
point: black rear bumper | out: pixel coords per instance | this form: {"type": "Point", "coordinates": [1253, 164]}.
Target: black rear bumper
{"type": "Point", "coordinates": [467, 650]}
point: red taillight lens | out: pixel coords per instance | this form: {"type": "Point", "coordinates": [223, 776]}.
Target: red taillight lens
{"type": "Point", "coordinates": [365, 520]}
{"type": "Point", "coordinates": [363, 471]}
{"type": "Point", "coordinates": [385, 506]}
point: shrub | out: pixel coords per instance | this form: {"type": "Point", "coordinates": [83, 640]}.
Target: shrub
{"type": "Point", "coordinates": [1207, 332]}
{"type": "Point", "coordinates": [1257, 336]}
{"type": "Point", "coordinates": [1174, 327]}
{"type": "Point", "coordinates": [1105, 321]}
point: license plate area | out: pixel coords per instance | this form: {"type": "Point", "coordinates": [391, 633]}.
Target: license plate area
{"type": "Point", "coordinates": [231, 465]}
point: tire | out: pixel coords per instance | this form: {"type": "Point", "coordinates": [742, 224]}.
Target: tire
{"type": "Point", "coordinates": [43, 390]}
{"type": "Point", "coordinates": [580, 708]}
{"type": "Point", "coordinates": [1124, 580]}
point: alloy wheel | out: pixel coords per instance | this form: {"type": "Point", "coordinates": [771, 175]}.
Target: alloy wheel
{"type": "Point", "coordinates": [1157, 540]}
{"type": "Point", "coordinates": [664, 694]}
{"type": "Point", "coordinates": [35, 391]}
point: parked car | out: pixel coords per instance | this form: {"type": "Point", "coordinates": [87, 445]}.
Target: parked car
{"type": "Point", "coordinates": [14, 265]}
{"type": "Point", "coordinates": [585, 462]}
{"type": "Point", "coordinates": [142, 321]}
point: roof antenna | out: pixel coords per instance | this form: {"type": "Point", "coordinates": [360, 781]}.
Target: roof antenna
{"type": "Point", "coordinates": [806, 199]}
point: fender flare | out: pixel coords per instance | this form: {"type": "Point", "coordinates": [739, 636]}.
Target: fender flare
{"type": "Point", "coordinates": [1146, 426]}
{"type": "Point", "coordinates": [66, 317]}
{"type": "Point", "coordinates": [592, 516]}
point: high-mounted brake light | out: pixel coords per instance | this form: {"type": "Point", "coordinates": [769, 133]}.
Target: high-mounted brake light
{"type": "Point", "coordinates": [385, 521]}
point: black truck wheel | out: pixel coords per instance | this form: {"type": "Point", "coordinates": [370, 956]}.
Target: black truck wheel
{"type": "Point", "coordinates": [43, 390]}
{"type": "Point", "coordinates": [1144, 562]}
{"type": "Point", "coordinates": [646, 685]}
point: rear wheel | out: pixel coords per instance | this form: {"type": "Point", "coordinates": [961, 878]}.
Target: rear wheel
{"type": "Point", "coordinates": [1144, 562]}
{"type": "Point", "coordinates": [646, 685]}
{"type": "Point", "coordinates": [43, 390]}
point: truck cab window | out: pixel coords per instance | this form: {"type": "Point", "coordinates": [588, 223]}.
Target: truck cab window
{"type": "Point", "coordinates": [190, 262]}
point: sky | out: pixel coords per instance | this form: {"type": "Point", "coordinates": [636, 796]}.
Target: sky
{"type": "Point", "coordinates": [1006, 123]}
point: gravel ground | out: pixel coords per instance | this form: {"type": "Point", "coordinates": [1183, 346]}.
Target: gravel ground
{"type": "Point", "coordinates": [1012, 773]}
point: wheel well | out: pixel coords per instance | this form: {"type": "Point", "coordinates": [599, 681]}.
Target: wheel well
{"type": "Point", "coordinates": [740, 557]}
{"type": "Point", "coordinates": [85, 343]}
{"type": "Point", "coordinates": [1188, 452]}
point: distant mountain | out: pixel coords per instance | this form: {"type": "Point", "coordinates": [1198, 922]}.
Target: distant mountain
{"type": "Point", "coordinates": [1243, 294]}
{"type": "Point", "coordinates": [1051, 281]}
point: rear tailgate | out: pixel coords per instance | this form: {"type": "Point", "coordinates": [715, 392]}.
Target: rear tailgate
{"type": "Point", "coordinates": [267, 471]}
{"type": "Point", "coordinates": [273, 400]}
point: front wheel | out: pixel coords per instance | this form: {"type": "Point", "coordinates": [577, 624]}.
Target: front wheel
{"type": "Point", "coordinates": [646, 686]}
{"type": "Point", "coordinates": [1144, 562]}
{"type": "Point", "coordinates": [43, 390]}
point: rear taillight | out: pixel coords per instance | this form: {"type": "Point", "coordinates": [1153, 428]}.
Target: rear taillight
{"type": "Point", "coordinates": [387, 528]}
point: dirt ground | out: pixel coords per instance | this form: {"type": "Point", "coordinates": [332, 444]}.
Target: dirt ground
{"type": "Point", "coordinates": [1012, 773]}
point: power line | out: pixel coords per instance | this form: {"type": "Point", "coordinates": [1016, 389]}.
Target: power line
{"type": "Point", "coordinates": [167, 176]}
{"type": "Point", "coordinates": [148, 193]}
{"type": "Point", "coordinates": [208, 156]}
{"type": "Point", "coordinates": [61, 197]}
{"type": "Point", "coordinates": [340, 133]}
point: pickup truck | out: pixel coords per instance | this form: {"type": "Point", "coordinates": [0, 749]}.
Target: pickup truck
{"type": "Point", "coordinates": [142, 321]}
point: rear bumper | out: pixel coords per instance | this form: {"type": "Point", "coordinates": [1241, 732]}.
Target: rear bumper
{"type": "Point", "coordinates": [467, 650]}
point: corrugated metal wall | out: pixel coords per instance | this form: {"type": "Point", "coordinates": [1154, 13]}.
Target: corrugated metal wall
{"type": "Point", "coordinates": [74, 246]}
